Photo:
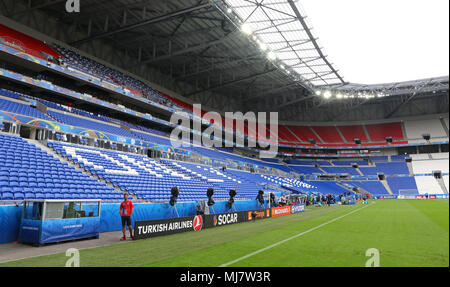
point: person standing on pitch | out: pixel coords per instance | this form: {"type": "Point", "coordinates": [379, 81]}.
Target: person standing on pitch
{"type": "Point", "coordinates": [126, 211]}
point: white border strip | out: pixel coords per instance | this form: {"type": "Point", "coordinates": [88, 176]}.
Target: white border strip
{"type": "Point", "coordinates": [290, 238]}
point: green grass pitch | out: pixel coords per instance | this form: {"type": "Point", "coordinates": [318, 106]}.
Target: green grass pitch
{"type": "Point", "coordinates": [406, 233]}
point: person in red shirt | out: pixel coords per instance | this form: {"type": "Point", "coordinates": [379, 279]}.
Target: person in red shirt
{"type": "Point", "coordinates": [126, 210]}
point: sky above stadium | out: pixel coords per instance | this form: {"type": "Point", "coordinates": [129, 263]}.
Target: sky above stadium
{"type": "Point", "coordinates": [382, 41]}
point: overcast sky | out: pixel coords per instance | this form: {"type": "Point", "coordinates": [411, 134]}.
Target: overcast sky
{"type": "Point", "coordinates": [383, 41]}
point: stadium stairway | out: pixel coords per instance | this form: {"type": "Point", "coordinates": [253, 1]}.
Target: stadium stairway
{"type": "Point", "coordinates": [299, 140]}
{"type": "Point", "coordinates": [359, 171]}
{"type": "Point", "coordinates": [351, 190]}
{"type": "Point", "coordinates": [386, 185]}
{"type": "Point", "coordinates": [342, 135]}
{"type": "Point", "coordinates": [43, 146]}
{"type": "Point", "coordinates": [410, 168]}
{"type": "Point", "coordinates": [402, 125]}
{"type": "Point", "coordinates": [207, 177]}
{"type": "Point", "coordinates": [366, 133]}
{"type": "Point", "coordinates": [321, 169]}
{"type": "Point", "coordinates": [51, 116]}
{"type": "Point", "coordinates": [445, 127]}
{"type": "Point", "coordinates": [442, 184]}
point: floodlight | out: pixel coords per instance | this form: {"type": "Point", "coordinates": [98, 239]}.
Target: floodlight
{"type": "Point", "coordinates": [229, 11]}
{"type": "Point", "coordinates": [327, 94]}
{"type": "Point", "coordinates": [246, 29]}
{"type": "Point", "coordinates": [271, 55]}
{"type": "Point", "coordinates": [339, 96]}
{"type": "Point", "coordinates": [318, 93]}
{"type": "Point", "coordinates": [263, 46]}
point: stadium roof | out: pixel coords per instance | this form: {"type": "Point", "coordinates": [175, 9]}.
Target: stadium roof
{"type": "Point", "coordinates": [208, 52]}
{"type": "Point", "coordinates": [282, 28]}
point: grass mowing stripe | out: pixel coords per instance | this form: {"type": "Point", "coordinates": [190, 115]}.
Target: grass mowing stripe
{"type": "Point", "coordinates": [290, 238]}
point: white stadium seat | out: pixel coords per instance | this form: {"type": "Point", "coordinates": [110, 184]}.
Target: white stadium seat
{"type": "Point", "coordinates": [428, 184]}
{"type": "Point", "coordinates": [416, 128]}
{"type": "Point", "coordinates": [422, 156]}
{"type": "Point", "coordinates": [428, 166]}
{"type": "Point", "coordinates": [443, 155]}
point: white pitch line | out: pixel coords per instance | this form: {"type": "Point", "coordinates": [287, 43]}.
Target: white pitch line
{"type": "Point", "coordinates": [290, 238]}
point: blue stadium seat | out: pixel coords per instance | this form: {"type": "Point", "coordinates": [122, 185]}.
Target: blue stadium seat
{"type": "Point", "coordinates": [19, 196]}
{"type": "Point", "coordinates": [7, 196]}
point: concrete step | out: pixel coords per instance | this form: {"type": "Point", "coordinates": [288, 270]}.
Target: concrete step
{"type": "Point", "coordinates": [410, 168]}
{"type": "Point", "coordinates": [343, 186]}
{"type": "Point", "coordinates": [442, 185]}
{"type": "Point", "coordinates": [43, 146]}
{"type": "Point", "coordinates": [386, 185]}
{"type": "Point", "coordinates": [359, 171]}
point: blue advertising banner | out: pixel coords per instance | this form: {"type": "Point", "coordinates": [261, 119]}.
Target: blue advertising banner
{"type": "Point", "coordinates": [59, 127]}
{"type": "Point", "coordinates": [30, 231]}
{"type": "Point", "coordinates": [68, 229]}
{"type": "Point", "coordinates": [82, 76]}
{"type": "Point", "coordinates": [296, 208]}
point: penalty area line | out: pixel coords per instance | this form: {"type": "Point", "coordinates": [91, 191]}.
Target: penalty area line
{"type": "Point", "coordinates": [290, 238]}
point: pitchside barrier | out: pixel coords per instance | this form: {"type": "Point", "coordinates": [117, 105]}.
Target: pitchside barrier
{"type": "Point", "coordinates": [412, 196]}
{"type": "Point", "coordinates": [11, 215]}
{"type": "Point", "coordinates": [423, 196]}
{"type": "Point", "coordinates": [154, 228]}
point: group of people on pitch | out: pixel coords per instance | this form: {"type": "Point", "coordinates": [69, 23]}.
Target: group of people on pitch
{"type": "Point", "coordinates": [320, 200]}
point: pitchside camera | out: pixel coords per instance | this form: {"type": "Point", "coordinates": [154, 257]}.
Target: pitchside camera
{"type": "Point", "coordinates": [174, 191]}
{"type": "Point", "coordinates": [260, 197]}
{"type": "Point", "coordinates": [254, 214]}
{"type": "Point", "coordinates": [209, 194]}
{"type": "Point", "coordinates": [437, 174]}
{"type": "Point", "coordinates": [231, 200]}
{"type": "Point", "coordinates": [272, 199]}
